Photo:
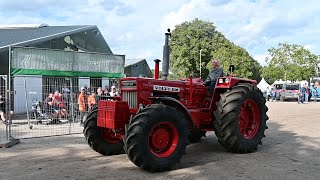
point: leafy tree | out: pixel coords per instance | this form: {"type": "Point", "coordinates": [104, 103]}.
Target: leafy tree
{"type": "Point", "coordinates": [245, 65]}
{"type": "Point", "coordinates": [186, 41]}
{"type": "Point", "coordinates": [189, 38]}
{"type": "Point", "coordinates": [289, 62]}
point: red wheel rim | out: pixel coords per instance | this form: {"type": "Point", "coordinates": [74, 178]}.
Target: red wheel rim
{"type": "Point", "coordinates": [163, 139]}
{"type": "Point", "coordinates": [249, 119]}
{"type": "Point", "coordinates": [109, 136]}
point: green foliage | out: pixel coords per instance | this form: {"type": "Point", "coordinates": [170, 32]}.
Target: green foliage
{"type": "Point", "coordinates": [186, 41]}
{"type": "Point", "coordinates": [245, 65]}
{"type": "Point", "coordinates": [189, 38]}
{"type": "Point", "coordinates": [289, 62]}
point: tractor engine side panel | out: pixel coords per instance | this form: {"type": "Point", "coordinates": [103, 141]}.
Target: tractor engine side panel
{"type": "Point", "coordinates": [137, 91]}
{"type": "Point", "coordinates": [179, 90]}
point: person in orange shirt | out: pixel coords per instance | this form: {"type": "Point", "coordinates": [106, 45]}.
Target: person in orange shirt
{"type": "Point", "coordinates": [82, 104]}
{"type": "Point", "coordinates": [92, 100]}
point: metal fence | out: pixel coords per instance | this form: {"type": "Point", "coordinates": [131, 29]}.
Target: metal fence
{"type": "Point", "coordinates": [3, 126]}
{"type": "Point", "coordinates": [49, 106]}
{"type": "Point", "coordinates": [42, 98]}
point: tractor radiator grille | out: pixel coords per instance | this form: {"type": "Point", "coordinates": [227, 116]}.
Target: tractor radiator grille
{"type": "Point", "coordinates": [132, 98]}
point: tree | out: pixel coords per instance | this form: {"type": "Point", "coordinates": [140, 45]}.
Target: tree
{"type": "Point", "coordinates": [245, 65]}
{"type": "Point", "coordinates": [186, 41]}
{"type": "Point", "coordinates": [189, 38]}
{"type": "Point", "coordinates": [289, 62]}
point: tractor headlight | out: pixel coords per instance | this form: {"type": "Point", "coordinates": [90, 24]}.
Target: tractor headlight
{"type": "Point", "coordinates": [220, 81]}
{"type": "Point", "coordinates": [227, 80]}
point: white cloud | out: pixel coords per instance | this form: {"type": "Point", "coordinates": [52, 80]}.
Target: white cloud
{"type": "Point", "coordinates": [261, 58]}
{"type": "Point", "coordinates": [136, 27]}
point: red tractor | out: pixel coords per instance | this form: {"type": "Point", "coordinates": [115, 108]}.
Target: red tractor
{"type": "Point", "coordinates": [154, 120]}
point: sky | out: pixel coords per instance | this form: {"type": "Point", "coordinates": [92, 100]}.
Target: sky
{"type": "Point", "coordinates": [136, 28]}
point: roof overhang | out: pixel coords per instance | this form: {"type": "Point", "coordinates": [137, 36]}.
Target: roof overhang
{"type": "Point", "coordinates": [54, 36]}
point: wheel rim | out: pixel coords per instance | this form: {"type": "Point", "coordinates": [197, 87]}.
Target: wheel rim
{"type": "Point", "coordinates": [163, 139]}
{"type": "Point", "coordinates": [109, 136]}
{"type": "Point", "coordinates": [249, 119]}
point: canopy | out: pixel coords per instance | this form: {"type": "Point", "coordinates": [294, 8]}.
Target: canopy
{"type": "Point", "coordinates": [263, 85]}
{"type": "Point", "coordinates": [278, 82]}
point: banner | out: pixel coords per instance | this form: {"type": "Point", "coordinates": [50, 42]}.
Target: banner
{"type": "Point", "coordinates": [32, 61]}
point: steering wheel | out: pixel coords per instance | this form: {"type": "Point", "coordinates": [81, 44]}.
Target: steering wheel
{"type": "Point", "coordinates": [207, 83]}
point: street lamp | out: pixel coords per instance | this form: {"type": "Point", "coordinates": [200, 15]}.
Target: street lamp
{"type": "Point", "coordinates": [200, 61]}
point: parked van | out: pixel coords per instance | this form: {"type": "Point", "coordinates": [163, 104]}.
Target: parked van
{"type": "Point", "coordinates": [289, 91]}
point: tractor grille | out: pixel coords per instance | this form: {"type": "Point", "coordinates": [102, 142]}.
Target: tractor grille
{"type": "Point", "coordinates": [131, 97]}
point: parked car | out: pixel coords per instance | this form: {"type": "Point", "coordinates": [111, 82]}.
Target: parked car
{"type": "Point", "coordinates": [278, 88]}
{"type": "Point", "coordinates": [289, 91]}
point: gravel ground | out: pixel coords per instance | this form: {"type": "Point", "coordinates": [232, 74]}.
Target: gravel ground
{"type": "Point", "coordinates": [291, 150]}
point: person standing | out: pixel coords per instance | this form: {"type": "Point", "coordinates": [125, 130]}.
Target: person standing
{"type": "Point", "coordinates": [303, 92]}
{"type": "Point", "coordinates": [213, 75]}
{"type": "Point", "coordinates": [3, 109]}
{"type": "Point", "coordinates": [114, 91]}
{"type": "Point", "coordinates": [66, 93]}
{"type": "Point", "coordinates": [273, 94]}
{"type": "Point", "coordinates": [307, 92]}
{"type": "Point", "coordinates": [92, 100]}
{"type": "Point", "coordinates": [315, 94]}
{"type": "Point", "coordinates": [106, 91]}
{"type": "Point", "coordinates": [82, 104]}
{"type": "Point", "coordinates": [99, 94]}
{"type": "Point", "coordinates": [268, 93]}
{"type": "Point", "coordinates": [301, 95]}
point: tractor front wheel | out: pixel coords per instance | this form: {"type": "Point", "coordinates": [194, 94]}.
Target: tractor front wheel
{"type": "Point", "coordinates": [240, 118]}
{"type": "Point", "coordinates": [102, 140]}
{"type": "Point", "coordinates": [156, 137]}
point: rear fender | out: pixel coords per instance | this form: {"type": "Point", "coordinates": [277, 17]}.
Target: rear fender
{"type": "Point", "coordinates": [223, 87]}
{"type": "Point", "coordinates": [169, 101]}
{"type": "Point", "coordinates": [232, 81]}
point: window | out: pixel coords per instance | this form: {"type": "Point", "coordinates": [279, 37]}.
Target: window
{"type": "Point", "coordinates": [278, 86]}
{"type": "Point", "coordinates": [292, 87]}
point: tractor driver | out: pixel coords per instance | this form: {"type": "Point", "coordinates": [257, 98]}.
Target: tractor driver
{"type": "Point", "coordinates": [213, 75]}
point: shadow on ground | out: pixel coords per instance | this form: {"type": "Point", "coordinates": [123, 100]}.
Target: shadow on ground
{"type": "Point", "coordinates": [290, 151]}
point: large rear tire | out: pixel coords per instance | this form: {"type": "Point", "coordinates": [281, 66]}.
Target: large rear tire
{"type": "Point", "coordinates": [156, 137]}
{"type": "Point", "coordinates": [240, 118]}
{"type": "Point", "coordinates": [102, 140]}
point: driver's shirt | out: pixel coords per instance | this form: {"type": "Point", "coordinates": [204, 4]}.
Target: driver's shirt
{"type": "Point", "coordinates": [215, 74]}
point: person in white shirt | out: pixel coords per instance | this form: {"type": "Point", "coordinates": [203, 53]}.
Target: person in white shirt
{"type": "Point", "coordinates": [66, 93]}
{"type": "Point", "coordinates": [113, 91]}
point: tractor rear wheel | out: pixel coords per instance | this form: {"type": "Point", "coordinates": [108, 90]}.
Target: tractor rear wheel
{"type": "Point", "coordinates": [156, 137]}
{"type": "Point", "coordinates": [102, 140]}
{"type": "Point", "coordinates": [240, 118]}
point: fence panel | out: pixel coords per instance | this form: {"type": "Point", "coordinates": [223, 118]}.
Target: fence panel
{"type": "Point", "coordinates": [3, 125]}
{"type": "Point", "coordinates": [49, 106]}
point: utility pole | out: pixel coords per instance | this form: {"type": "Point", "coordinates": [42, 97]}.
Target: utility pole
{"type": "Point", "coordinates": [200, 61]}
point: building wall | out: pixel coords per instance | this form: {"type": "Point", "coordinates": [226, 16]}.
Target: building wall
{"type": "Point", "coordinates": [137, 69]}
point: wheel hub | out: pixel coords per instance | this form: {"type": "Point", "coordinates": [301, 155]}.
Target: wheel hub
{"type": "Point", "coordinates": [160, 138]}
{"type": "Point", "coordinates": [163, 139]}
{"type": "Point", "coordinates": [249, 119]}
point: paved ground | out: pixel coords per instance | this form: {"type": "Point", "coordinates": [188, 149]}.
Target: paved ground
{"type": "Point", "coordinates": [290, 151]}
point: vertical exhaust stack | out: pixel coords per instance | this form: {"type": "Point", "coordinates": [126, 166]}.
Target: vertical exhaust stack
{"type": "Point", "coordinates": [156, 69]}
{"type": "Point", "coordinates": [166, 56]}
